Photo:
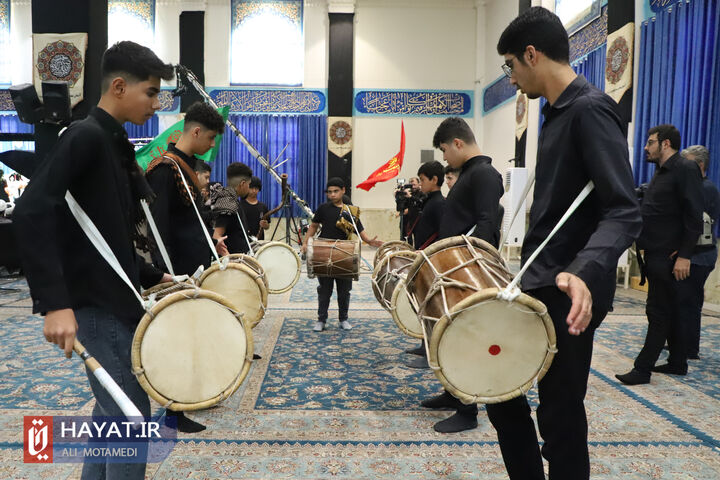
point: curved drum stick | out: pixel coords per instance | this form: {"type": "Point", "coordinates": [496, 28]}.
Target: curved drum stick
{"type": "Point", "coordinates": [125, 404]}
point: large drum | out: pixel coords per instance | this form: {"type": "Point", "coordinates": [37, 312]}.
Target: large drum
{"type": "Point", "coordinates": [191, 350]}
{"type": "Point", "coordinates": [482, 348]}
{"type": "Point", "coordinates": [243, 286]}
{"type": "Point", "coordinates": [333, 258]}
{"type": "Point", "coordinates": [281, 264]}
{"type": "Point", "coordinates": [251, 263]}
{"type": "Point", "coordinates": [388, 283]}
{"type": "Point", "coordinates": [389, 247]}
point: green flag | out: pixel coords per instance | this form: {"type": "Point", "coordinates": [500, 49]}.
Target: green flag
{"type": "Point", "coordinates": [158, 147]}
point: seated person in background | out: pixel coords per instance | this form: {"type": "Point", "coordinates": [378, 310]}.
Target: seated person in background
{"type": "Point", "coordinates": [254, 210]}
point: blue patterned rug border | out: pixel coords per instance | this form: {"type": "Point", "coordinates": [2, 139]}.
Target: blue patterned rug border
{"type": "Point", "coordinates": [682, 424]}
{"type": "Point", "coordinates": [313, 443]}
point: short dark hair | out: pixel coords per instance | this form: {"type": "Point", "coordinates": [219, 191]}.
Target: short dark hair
{"type": "Point", "coordinates": [667, 132]}
{"type": "Point", "coordinates": [204, 115]}
{"type": "Point", "coordinates": [202, 167]}
{"type": "Point", "coordinates": [238, 169]}
{"type": "Point", "coordinates": [540, 28]}
{"type": "Point", "coordinates": [432, 169]}
{"type": "Point", "coordinates": [255, 182]}
{"type": "Point", "coordinates": [335, 182]}
{"type": "Point", "coordinates": [134, 63]}
{"type": "Point", "coordinates": [449, 169]}
{"type": "Point", "coordinates": [451, 128]}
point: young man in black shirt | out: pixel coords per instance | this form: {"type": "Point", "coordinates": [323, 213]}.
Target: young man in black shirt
{"type": "Point", "coordinates": [471, 208]}
{"type": "Point", "coordinates": [672, 223]}
{"type": "Point", "coordinates": [451, 176]}
{"type": "Point", "coordinates": [230, 219]}
{"type": "Point", "coordinates": [582, 139]}
{"type": "Point", "coordinates": [427, 229]}
{"type": "Point", "coordinates": [71, 284]}
{"type": "Point", "coordinates": [174, 209]}
{"type": "Point", "coordinates": [254, 210]}
{"type": "Point", "coordinates": [326, 217]}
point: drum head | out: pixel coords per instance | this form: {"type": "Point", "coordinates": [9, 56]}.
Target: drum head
{"type": "Point", "coordinates": [191, 351]}
{"type": "Point", "coordinates": [403, 313]}
{"type": "Point", "coordinates": [243, 288]}
{"type": "Point", "coordinates": [281, 264]}
{"type": "Point", "coordinates": [491, 350]}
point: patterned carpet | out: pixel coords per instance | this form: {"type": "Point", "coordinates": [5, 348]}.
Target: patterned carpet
{"type": "Point", "coordinates": [342, 404]}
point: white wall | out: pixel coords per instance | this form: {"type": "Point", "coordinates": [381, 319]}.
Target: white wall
{"type": "Point", "coordinates": [407, 45]}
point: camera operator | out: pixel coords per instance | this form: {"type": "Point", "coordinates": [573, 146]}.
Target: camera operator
{"type": "Point", "coordinates": [408, 201]}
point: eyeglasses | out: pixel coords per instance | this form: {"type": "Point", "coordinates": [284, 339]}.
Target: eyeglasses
{"type": "Point", "coordinates": [507, 67]}
{"type": "Point", "coordinates": [650, 142]}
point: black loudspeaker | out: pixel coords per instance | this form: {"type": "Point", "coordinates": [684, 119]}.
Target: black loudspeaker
{"type": "Point", "coordinates": [27, 103]}
{"type": "Point", "coordinates": [192, 53]}
{"type": "Point", "coordinates": [56, 98]}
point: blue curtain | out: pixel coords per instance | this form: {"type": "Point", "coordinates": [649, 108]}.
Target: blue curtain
{"type": "Point", "coordinates": [147, 130]}
{"type": "Point", "coordinates": [679, 80]}
{"type": "Point", "coordinates": [306, 154]}
{"type": "Point", "coordinates": [12, 124]}
{"type": "Point", "coordinates": [592, 67]}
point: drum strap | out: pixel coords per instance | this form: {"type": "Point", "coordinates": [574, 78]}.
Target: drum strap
{"type": "Point", "coordinates": [352, 219]}
{"type": "Point", "coordinates": [101, 245]}
{"type": "Point", "coordinates": [510, 293]}
{"type": "Point", "coordinates": [242, 227]}
{"type": "Point", "coordinates": [158, 239]}
{"type": "Point", "coordinates": [197, 212]}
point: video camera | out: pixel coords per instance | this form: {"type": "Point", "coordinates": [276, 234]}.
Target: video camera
{"type": "Point", "coordinates": [406, 196]}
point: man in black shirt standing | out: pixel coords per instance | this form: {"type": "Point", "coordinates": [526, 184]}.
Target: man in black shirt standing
{"type": "Point", "coordinates": [704, 256]}
{"type": "Point", "coordinates": [254, 210]}
{"type": "Point", "coordinates": [471, 208]}
{"type": "Point", "coordinates": [71, 284]}
{"type": "Point", "coordinates": [326, 217]}
{"type": "Point", "coordinates": [230, 219]}
{"type": "Point", "coordinates": [672, 222]}
{"type": "Point", "coordinates": [174, 209]}
{"type": "Point", "coordinates": [582, 140]}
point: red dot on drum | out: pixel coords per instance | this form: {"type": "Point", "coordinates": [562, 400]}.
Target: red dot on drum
{"type": "Point", "coordinates": [494, 349]}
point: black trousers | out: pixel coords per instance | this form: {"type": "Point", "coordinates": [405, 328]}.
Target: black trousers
{"type": "Point", "coordinates": [690, 298]}
{"type": "Point", "coordinates": [561, 413]}
{"type": "Point", "coordinates": [664, 323]}
{"type": "Point", "coordinates": [325, 289]}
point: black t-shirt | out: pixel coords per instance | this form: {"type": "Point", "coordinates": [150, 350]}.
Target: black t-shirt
{"type": "Point", "coordinates": [253, 213]}
{"type": "Point", "coordinates": [430, 218]}
{"type": "Point", "coordinates": [327, 215]}
{"type": "Point", "coordinates": [235, 241]}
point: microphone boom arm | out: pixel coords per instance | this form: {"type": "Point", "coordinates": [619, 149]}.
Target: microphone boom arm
{"type": "Point", "coordinates": [263, 161]}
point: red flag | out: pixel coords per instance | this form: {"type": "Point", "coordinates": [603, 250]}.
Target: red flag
{"type": "Point", "coordinates": [390, 169]}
